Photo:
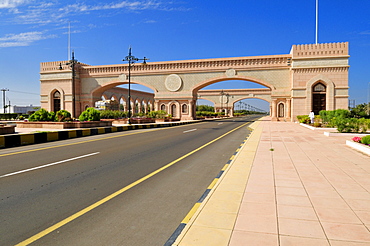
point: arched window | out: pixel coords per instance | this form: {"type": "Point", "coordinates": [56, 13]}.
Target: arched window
{"type": "Point", "coordinates": [163, 107]}
{"type": "Point", "coordinates": [318, 98]}
{"type": "Point", "coordinates": [173, 110]}
{"type": "Point", "coordinates": [184, 109]}
{"type": "Point", "coordinates": [281, 110]}
{"type": "Point", "coordinates": [56, 101]}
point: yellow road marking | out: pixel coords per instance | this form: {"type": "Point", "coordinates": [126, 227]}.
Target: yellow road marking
{"type": "Point", "coordinates": [191, 213]}
{"type": "Point", "coordinates": [212, 184]}
{"type": "Point", "coordinates": [106, 199]}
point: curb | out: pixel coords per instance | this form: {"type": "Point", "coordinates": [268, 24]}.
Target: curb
{"type": "Point", "coordinates": [16, 140]}
{"type": "Point", "coordinates": [182, 229]}
{"type": "Point", "coordinates": [359, 147]}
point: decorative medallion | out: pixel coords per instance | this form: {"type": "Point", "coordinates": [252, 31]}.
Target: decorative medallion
{"type": "Point", "coordinates": [230, 73]}
{"type": "Point", "coordinates": [173, 82]}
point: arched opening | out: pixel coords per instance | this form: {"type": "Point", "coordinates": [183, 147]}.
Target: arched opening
{"type": "Point", "coordinates": [318, 97]}
{"type": "Point", "coordinates": [117, 93]}
{"type": "Point", "coordinates": [226, 93]}
{"type": "Point", "coordinates": [56, 101]}
{"type": "Point", "coordinates": [184, 109]}
{"type": "Point", "coordinates": [281, 110]}
{"type": "Point", "coordinates": [163, 107]}
{"type": "Point", "coordinates": [173, 110]}
{"type": "Point", "coordinates": [246, 106]}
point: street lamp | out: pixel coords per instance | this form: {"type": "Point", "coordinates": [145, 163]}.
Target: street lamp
{"type": "Point", "coordinates": [131, 60]}
{"type": "Point", "coordinates": [72, 64]}
{"type": "Point", "coordinates": [4, 90]}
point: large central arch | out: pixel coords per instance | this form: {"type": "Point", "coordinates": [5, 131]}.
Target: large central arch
{"type": "Point", "coordinates": [289, 77]}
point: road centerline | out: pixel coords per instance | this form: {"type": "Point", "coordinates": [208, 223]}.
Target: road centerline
{"type": "Point", "coordinates": [190, 130]}
{"type": "Point", "coordinates": [48, 165]}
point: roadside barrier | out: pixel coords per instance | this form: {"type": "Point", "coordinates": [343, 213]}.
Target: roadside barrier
{"type": "Point", "coordinates": [15, 140]}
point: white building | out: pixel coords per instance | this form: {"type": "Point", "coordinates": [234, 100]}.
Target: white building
{"type": "Point", "coordinates": [19, 109]}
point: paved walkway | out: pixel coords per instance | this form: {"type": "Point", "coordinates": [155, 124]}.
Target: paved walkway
{"type": "Point", "coordinates": [288, 185]}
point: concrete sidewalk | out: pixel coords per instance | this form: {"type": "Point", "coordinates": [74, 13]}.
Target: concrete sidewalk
{"type": "Point", "coordinates": [288, 185]}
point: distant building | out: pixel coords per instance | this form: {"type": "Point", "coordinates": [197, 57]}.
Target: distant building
{"type": "Point", "coordinates": [20, 109]}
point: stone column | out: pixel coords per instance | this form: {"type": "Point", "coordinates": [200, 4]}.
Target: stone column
{"type": "Point", "coordinates": [156, 105]}
{"type": "Point", "coordinates": [192, 109]}
{"type": "Point", "coordinates": [288, 108]}
{"type": "Point", "coordinates": [273, 110]}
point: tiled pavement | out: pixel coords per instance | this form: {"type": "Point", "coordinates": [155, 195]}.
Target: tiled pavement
{"type": "Point", "coordinates": [288, 185]}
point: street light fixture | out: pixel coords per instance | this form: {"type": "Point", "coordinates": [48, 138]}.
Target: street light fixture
{"type": "Point", "coordinates": [72, 64]}
{"type": "Point", "coordinates": [4, 90]}
{"type": "Point", "coordinates": [131, 60]}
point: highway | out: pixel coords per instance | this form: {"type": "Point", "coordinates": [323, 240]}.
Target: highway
{"type": "Point", "coordinates": [126, 188]}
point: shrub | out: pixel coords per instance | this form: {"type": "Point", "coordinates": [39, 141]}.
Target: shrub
{"type": "Point", "coordinates": [364, 125]}
{"type": "Point", "coordinates": [42, 115]}
{"type": "Point", "coordinates": [303, 119]}
{"type": "Point", "coordinates": [346, 124]}
{"type": "Point", "coordinates": [112, 114]}
{"type": "Point", "coordinates": [366, 140]}
{"type": "Point", "coordinates": [160, 114]}
{"type": "Point", "coordinates": [90, 114]}
{"type": "Point", "coordinates": [327, 116]}
{"type": "Point", "coordinates": [63, 115]}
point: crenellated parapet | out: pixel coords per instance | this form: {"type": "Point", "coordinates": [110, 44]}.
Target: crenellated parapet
{"type": "Point", "coordinates": [319, 50]}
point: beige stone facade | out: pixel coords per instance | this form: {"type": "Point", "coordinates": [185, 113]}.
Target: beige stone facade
{"type": "Point", "coordinates": [312, 76]}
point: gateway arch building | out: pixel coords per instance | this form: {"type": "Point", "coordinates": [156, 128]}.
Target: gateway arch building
{"type": "Point", "coordinates": [310, 77]}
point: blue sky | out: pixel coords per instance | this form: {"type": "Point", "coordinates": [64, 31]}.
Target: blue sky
{"type": "Point", "coordinates": [34, 31]}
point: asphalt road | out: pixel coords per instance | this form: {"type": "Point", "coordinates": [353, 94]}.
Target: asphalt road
{"type": "Point", "coordinates": [127, 188]}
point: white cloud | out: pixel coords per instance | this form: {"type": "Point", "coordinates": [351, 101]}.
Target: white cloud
{"type": "Point", "coordinates": [22, 39]}
{"type": "Point", "coordinates": [136, 5]}
{"type": "Point", "coordinates": [365, 32]}
{"type": "Point", "coordinates": [9, 4]}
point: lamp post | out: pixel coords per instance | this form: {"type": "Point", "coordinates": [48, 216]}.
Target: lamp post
{"type": "Point", "coordinates": [222, 93]}
{"type": "Point", "coordinates": [131, 60]}
{"type": "Point", "coordinates": [72, 64]}
{"type": "Point", "coordinates": [4, 106]}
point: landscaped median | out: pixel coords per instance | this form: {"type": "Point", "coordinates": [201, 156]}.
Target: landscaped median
{"type": "Point", "coordinates": [14, 140]}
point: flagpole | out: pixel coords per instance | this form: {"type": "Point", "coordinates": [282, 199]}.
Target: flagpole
{"type": "Point", "coordinates": [69, 40]}
{"type": "Point", "coordinates": [317, 20]}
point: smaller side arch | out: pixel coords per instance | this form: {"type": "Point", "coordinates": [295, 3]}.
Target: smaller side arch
{"type": "Point", "coordinates": [330, 91]}
{"type": "Point", "coordinates": [51, 98]}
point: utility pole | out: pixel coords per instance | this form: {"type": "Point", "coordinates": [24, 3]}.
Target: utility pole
{"type": "Point", "coordinates": [4, 90]}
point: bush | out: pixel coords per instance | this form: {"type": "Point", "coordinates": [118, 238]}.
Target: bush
{"type": "Point", "coordinates": [42, 115]}
{"type": "Point", "coordinates": [330, 117]}
{"type": "Point", "coordinates": [90, 114]}
{"type": "Point", "coordinates": [303, 119]}
{"type": "Point", "coordinates": [63, 115]}
{"type": "Point", "coordinates": [366, 140]}
{"type": "Point", "coordinates": [112, 114]}
{"type": "Point", "coordinates": [160, 114]}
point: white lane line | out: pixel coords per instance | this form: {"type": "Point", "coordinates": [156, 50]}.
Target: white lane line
{"type": "Point", "coordinates": [220, 123]}
{"type": "Point", "coordinates": [189, 130]}
{"type": "Point", "coordinates": [48, 165]}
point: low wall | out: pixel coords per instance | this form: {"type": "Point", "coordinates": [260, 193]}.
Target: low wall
{"type": "Point", "coordinates": [14, 140]}
{"type": "Point", "coordinates": [6, 129]}
{"type": "Point", "coordinates": [64, 125]}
